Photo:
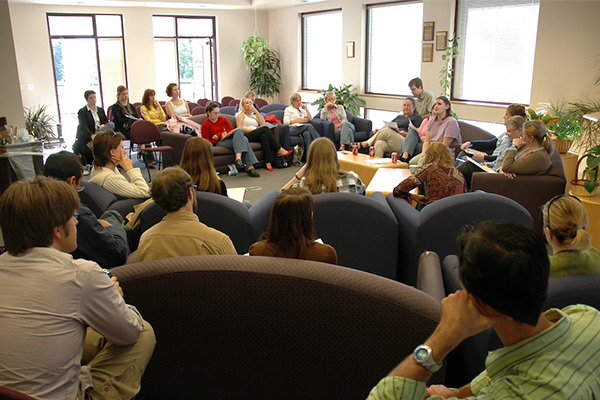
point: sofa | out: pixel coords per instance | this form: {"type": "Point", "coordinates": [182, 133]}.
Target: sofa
{"type": "Point", "coordinates": [99, 200]}
{"type": "Point", "coordinates": [437, 226]}
{"type": "Point", "coordinates": [236, 327]}
{"type": "Point", "coordinates": [363, 126]}
{"type": "Point", "coordinates": [287, 141]}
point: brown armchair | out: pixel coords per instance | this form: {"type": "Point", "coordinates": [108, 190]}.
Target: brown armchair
{"type": "Point", "coordinates": [530, 191]}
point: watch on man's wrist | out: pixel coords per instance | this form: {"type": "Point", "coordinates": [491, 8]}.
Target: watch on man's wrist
{"type": "Point", "coordinates": [424, 357]}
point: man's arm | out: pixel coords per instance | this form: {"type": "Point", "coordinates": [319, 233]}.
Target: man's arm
{"type": "Point", "coordinates": [107, 246]}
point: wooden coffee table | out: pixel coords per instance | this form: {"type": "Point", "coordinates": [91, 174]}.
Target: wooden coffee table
{"type": "Point", "coordinates": [386, 179]}
{"type": "Point", "coordinates": [366, 166]}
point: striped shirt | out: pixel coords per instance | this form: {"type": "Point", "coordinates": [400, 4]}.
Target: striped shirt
{"type": "Point", "coordinates": [561, 362]}
{"type": "Point", "coordinates": [153, 114]}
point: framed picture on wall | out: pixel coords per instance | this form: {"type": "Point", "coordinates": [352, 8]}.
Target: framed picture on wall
{"type": "Point", "coordinates": [428, 30]}
{"type": "Point", "coordinates": [427, 52]}
{"type": "Point", "coordinates": [441, 40]}
{"type": "Point", "coordinates": [349, 49]}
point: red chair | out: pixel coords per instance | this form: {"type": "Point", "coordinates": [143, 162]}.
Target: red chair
{"type": "Point", "coordinates": [226, 99]}
{"type": "Point", "coordinates": [162, 102]}
{"type": "Point", "coordinates": [191, 105]}
{"type": "Point", "coordinates": [203, 102]}
{"type": "Point", "coordinates": [109, 113]}
{"type": "Point", "coordinates": [145, 132]}
{"type": "Point", "coordinates": [197, 110]}
{"type": "Point", "coordinates": [9, 394]}
{"type": "Point", "coordinates": [261, 102]}
{"type": "Point", "coordinates": [234, 103]}
{"type": "Point", "coordinates": [138, 110]}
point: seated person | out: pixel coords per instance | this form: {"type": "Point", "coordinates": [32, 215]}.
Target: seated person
{"type": "Point", "coordinates": [565, 223]}
{"type": "Point", "coordinates": [424, 99]}
{"type": "Point", "coordinates": [180, 233]}
{"type": "Point", "coordinates": [197, 160]}
{"type": "Point", "coordinates": [124, 113]}
{"type": "Point", "coordinates": [442, 127]}
{"type": "Point", "coordinates": [297, 116]}
{"type": "Point", "coordinates": [529, 155]}
{"type": "Point", "coordinates": [176, 105]}
{"type": "Point", "coordinates": [152, 111]}
{"type": "Point", "coordinates": [514, 130]}
{"type": "Point", "coordinates": [497, 144]}
{"type": "Point", "coordinates": [504, 269]}
{"type": "Point", "coordinates": [218, 131]}
{"type": "Point", "coordinates": [322, 172]}
{"type": "Point", "coordinates": [344, 129]}
{"type": "Point", "coordinates": [437, 175]}
{"type": "Point", "coordinates": [387, 140]}
{"type": "Point", "coordinates": [66, 330]}
{"type": "Point", "coordinates": [290, 233]}
{"type": "Point", "coordinates": [253, 125]}
{"type": "Point", "coordinates": [248, 95]}
{"type": "Point", "coordinates": [101, 240]}
{"type": "Point", "coordinates": [92, 120]}
{"type": "Point", "coordinates": [108, 153]}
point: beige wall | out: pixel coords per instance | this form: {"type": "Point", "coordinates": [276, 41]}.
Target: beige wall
{"type": "Point", "coordinates": [35, 61]}
{"type": "Point", "coordinates": [10, 102]}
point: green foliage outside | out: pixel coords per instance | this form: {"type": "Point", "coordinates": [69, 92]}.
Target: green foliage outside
{"type": "Point", "coordinates": [186, 60]}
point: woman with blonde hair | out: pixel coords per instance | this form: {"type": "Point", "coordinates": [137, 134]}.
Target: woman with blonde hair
{"type": "Point", "coordinates": [197, 160]}
{"type": "Point", "coordinates": [565, 224]}
{"type": "Point", "coordinates": [322, 172]}
{"type": "Point", "coordinates": [530, 154]}
{"type": "Point", "coordinates": [291, 233]}
{"type": "Point", "coordinates": [437, 175]}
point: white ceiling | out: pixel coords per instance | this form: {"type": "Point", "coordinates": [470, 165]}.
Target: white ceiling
{"type": "Point", "coordinates": [185, 4]}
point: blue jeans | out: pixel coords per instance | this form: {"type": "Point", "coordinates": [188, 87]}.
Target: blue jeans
{"type": "Point", "coordinates": [238, 143]}
{"type": "Point", "coordinates": [412, 143]}
{"type": "Point", "coordinates": [308, 133]}
{"type": "Point", "coordinates": [345, 133]}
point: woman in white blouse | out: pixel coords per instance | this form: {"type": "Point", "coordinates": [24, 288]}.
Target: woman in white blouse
{"type": "Point", "coordinates": [253, 125]}
{"type": "Point", "coordinates": [108, 153]}
{"type": "Point", "coordinates": [176, 105]}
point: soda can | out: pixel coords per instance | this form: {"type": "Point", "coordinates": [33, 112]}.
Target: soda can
{"type": "Point", "coordinates": [394, 157]}
{"type": "Point", "coordinates": [372, 151]}
{"type": "Point", "coordinates": [354, 149]}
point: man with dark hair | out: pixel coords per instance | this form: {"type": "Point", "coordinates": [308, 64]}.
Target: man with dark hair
{"type": "Point", "coordinates": [66, 330]}
{"type": "Point", "coordinates": [92, 119]}
{"type": "Point", "coordinates": [180, 233]}
{"type": "Point", "coordinates": [424, 98]}
{"type": "Point", "coordinates": [504, 270]}
{"type": "Point", "coordinates": [101, 240]}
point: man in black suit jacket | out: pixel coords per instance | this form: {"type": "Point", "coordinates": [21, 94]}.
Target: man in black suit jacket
{"type": "Point", "coordinates": [92, 120]}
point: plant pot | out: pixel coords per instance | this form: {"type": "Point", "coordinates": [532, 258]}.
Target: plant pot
{"type": "Point", "coordinates": [563, 146]}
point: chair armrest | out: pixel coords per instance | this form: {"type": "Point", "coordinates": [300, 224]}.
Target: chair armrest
{"type": "Point", "coordinates": [429, 276]}
{"type": "Point", "coordinates": [177, 142]}
{"type": "Point", "coordinates": [450, 274]}
{"type": "Point", "coordinates": [380, 197]}
{"type": "Point", "coordinates": [319, 126]}
{"type": "Point", "coordinates": [362, 124]}
{"type": "Point", "coordinates": [328, 128]}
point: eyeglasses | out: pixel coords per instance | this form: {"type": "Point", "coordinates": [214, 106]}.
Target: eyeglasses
{"type": "Point", "coordinates": [549, 204]}
{"type": "Point", "coordinates": [76, 214]}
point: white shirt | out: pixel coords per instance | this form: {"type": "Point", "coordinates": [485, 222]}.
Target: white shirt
{"type": "Point", "coordinates": [291, 113]}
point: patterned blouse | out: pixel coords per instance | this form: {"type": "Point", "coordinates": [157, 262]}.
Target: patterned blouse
{"type": "Point", "coordinates": [350, 183]}
{"type": "Point", "coordinates": [439, 180]}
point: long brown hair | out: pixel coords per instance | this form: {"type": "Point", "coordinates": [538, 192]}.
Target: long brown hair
{"type": "Point", "coordinates": [291, 223]}
{"type": "Point", "coordinates": [197, 160]}
{"type": "Point", "coordinates": [104, 142]}
{"type": "Point", "coordinates": [322, 167]}
{"type": "Point", "coordinates": [146, 98]}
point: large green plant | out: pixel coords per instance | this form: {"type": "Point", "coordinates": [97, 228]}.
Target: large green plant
{"type": "Point", "coordinates": [560, 122]}
{"type": "Point", "coordinates": [39, 123]}
{"type": "Point", "coordinates": [264, 66]}
{"type": "Point", "coordinates": [593, 161]}
{"type": "Point", "coordinates": [345, 96]}
{"type": "Point", "coordinates": [447, 72]}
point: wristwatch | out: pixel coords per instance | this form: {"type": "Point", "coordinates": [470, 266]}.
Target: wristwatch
{"type": "Point", "coordinates": [424, 357]}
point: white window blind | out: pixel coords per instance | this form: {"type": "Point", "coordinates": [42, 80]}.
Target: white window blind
{"type": "Point", "coordinates": [496, 50]}
{"type": "Point", "coordinates": [322, 50]}
{"type": "Point", "coordinates": [394, 37]}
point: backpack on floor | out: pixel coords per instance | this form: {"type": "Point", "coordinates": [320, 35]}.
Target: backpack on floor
{"type": "Point", "coordinates": [297, 155]}
{"type": "Point", "coordinates": [283, 161]}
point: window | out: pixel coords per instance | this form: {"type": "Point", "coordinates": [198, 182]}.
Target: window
{"type": "Point", "coordinates": [378, 116]}
{"type": "Point", "coordinates": [322, 50]}
{"type": "Point", "coordinates": [394, 36]}
{"type": "Point", "coordinates": [184, 54]}
{"type": "Point", "coordinates": [88, 54]}
{"type": "Point", "coordinates": [496, 50]}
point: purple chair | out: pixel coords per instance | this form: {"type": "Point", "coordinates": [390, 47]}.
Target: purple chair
{"type": "Point", "coordinates": [261, 102]}
{"type": "Point", "coordinates": [234, 103]}
{"type": "Point", "coordinates": [144, 132]}
{"type": "Point", "coordinates": [197, 110]}
{"type": "Point", "coordinates": [226, 99]}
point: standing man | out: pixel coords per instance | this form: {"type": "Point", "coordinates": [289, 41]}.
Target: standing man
{"type": "Point", "coordinates": [425, 99]}
{"type": "Point", "coordinates": [504, 270]}
{"type": "Point", "coordinates": [92, 120]}
{"type": "Point", "coordinates": [387, 140]}
{"type": "Point", "coordinates": [298, 117]}
{"type": "Point", "coordinates": [180, 233]}
{"type": "Point", "coordinates": [48, 301]}
{"type": "Point", "coordinates": [101, 240]}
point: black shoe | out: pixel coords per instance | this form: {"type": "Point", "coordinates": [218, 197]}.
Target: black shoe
{"type": "Point", "coordinates": [239, 164]}
{"type": "Point", "coordinates": [404, 159]}
{"type": "Point", "coordinates": [253, 173]}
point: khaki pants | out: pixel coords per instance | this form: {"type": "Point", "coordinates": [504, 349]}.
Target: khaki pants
{"type": "Point", "coordinates": [116, 371]}
{"type": "Point", "coordinates": [386, 140]}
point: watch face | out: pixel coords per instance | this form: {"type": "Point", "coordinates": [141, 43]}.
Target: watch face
{"type": "Point", "coordinates": [421, 354]}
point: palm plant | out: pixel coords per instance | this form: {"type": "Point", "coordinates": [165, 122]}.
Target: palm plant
{"type": "Point", "coordinates": [39, 123]}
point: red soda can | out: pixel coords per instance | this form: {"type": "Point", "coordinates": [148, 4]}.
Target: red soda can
{"type": "Point", "coordinates": [372, 151]}
{"type": "Point", "coordinates": [354, 149]}
{"type": "Point", "coordinates": [394, 157]}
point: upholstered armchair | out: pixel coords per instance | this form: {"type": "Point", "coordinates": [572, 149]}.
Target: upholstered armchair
{"type": "Point", "coordinates": [363, 128]}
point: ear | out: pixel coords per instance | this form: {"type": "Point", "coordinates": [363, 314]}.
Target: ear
{"type": "Point", "coordinates": [548, 233]}
{"type": "Point", "coordinates": [482, 307]}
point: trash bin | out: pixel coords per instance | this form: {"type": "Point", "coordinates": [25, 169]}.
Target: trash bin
{"type": "Point", "coordinates": [20, 161]}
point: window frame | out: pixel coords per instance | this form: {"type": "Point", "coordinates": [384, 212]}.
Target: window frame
{"type": "Point", "coordinates": [302, 41]}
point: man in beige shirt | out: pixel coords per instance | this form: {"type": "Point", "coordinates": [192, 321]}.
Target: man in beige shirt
{"type": "Point", "coordinates": [180, 233]}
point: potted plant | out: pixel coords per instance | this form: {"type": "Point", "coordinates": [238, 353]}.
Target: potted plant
{"type": "Point", "coordinates": [447, 71]}
{"type": "Point", "coordinates": [39, 123]}
{"type": "Point", "coordinates": [562, 125]}
{"type": "Point", "coordinates": [590, 173]}
{"type": "Point", "coordinates": [345, 96]}
{"type": "Point", "coordinates": [264, 66]}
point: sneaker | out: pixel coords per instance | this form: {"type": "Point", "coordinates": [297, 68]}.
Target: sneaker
{"type": "Point", "coordinates": [253, 173]}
